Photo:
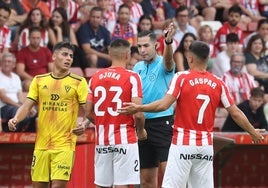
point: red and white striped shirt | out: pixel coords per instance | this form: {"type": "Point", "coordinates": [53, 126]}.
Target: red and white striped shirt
{"type": "Point", "coordinates": [108, 89]}
{"type": "Point", "coordinates": [198, 96]}
{"type": "Point", "coordinates": [239, 86]}
{"type": "Point", "coordinates": [71, 10]}
{"type": "Point", "coordinates": [24, 38]}
{"type": "Point", "coordinates": [5, 37]}
{"type": "Point", "coordinates": [135, 10]}
{"type": "Point", "coordinates": [220, 38]}
{"type": "Point", "coordinates": [109, 20]}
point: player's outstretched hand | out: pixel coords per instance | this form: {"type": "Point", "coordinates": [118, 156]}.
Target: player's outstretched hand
{"type": "Point", "coordinates": [257, 137]}
{"type": "Point", "coordinates": [12, 124]}
{"type": "Point", "coordinates": [128, 108]}
{"type": "Point", "coordinates": [142, 134]}
{"type": "Point", "coordinates": [79, 129]}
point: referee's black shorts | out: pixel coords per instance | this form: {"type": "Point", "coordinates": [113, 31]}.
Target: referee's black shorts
{"type": "Point", "coordinates": [156, 147]}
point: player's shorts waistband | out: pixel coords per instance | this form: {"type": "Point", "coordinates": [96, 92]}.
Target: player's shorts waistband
{"type": "Point", "coordinates": [159, 119]}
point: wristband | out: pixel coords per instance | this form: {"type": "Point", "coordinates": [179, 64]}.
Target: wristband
{"type": "Point", "coordinates": [168, 43]}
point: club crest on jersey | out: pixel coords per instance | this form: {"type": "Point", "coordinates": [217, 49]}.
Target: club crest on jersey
{"type": "Point", "coordinates": [67, 88]}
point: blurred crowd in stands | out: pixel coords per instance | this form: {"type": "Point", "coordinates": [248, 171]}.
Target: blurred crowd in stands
{"type": "Point", "coordinates": [236, 31]}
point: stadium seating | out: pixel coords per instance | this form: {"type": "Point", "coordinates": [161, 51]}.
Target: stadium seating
{"type": "Point", "coordinates": [215, 25]}
{"type": "Point", "coordinates": [88, 72]}
{"type": "Point", "coordinates": [77, 70]}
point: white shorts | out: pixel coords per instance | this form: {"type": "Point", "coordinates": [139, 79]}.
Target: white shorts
{"type": "Point", "coordinates": [117, 165]}
{"type": "Point", "coordinates": [189, 164]}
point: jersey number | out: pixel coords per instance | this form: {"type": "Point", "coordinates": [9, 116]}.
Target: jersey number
{"type": "Point", "coordinates": [204, 105]}
{"type": "Point", "coordinates": [101, 91]}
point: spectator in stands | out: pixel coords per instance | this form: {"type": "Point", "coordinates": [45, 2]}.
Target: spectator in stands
{"type": "Point", "coordinates": [28, 5]}
{"type": "Point", "coordinates": [221, 63]}
{"type": "Point", "coordinates": [181, 53]}
{"type": "Point", "coordinates": [59, 24]}
{"type": "Point", "coordinates": [109, 16]}
{"type": "Point", "coordinates": [201, 9]}
{"type": "Point", "coordinates": [231, 26]}
{"type": "Point", "coordinates": [145, 23]}
{"type": "Point", "coordinates": [205, 34]}
{"type": "Point", "coordinates": [63, 32]}
{"type": "Point", "coordinates": [262, 29]}
{"type": "Point", "coordinates": [160, 11]}
{"type": "Point", "coordinates": [135, 10]}
{"type": "Point", "coordinates": [239, 83]}
{"type": "Point", "coordinates": [263, 8]}
{"type": "Point", "coordinates": [255, 63]}
{"type": "Point", "coordinates": [253, 109]}
{"type": "Point", "coordinates": [95, 39]}
{"type": "Point", "coordinates": [182, 21]}
{"type": "Point", "coordinates": [33, 59]}
{"type": "Point", "coordinates": [134, 57]}
{"type": "Point", "coordinates": [35, 18]}
{"type": "Point", "coordinates": [222, 8]}
{"type": "Point", "coordinates": [124, 29]}
{"type": "Point", "coordinates": [250, 10]}
{"type": "Point", "coordinates": [70, 6]}
{"type": "Point", "coordinates": [11, 96]}
{"type": "Point", "coordinates": [17, 16]}
{"type": "Point", "coordinates": [86, 2]}
{"type": "Point", "coordinates": [5, 32]}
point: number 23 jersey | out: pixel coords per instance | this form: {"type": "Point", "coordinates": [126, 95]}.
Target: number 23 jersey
{"type": "Point", "coordinates": [108, 89]}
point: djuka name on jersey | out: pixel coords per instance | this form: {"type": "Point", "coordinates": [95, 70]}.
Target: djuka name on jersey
{"type": "Point", "coordinates": [113, 75]}
{"type": "Point", "coordinates": [205, 81]}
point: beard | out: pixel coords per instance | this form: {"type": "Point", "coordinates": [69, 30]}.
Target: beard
{"type": "Point", "coordinates": [233, 23]}
{"type": "Point", "coordinates": [235, 70]}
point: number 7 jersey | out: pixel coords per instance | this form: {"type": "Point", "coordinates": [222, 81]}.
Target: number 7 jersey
{"type": "Point", "coordinates": [198, 96]}
{"type": "Point", "coordinates": [108, 89]}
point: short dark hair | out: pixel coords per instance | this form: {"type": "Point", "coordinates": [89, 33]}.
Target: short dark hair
{"type": "Point", "coordinates": [257, 92]}
{"type": "Point", "coordinates": [180, 9]}
{"type": "Point", "coordinates": [34, 28]}
{"type": "Point", "coordinates": [235, 9]}
{"type": "Point", "coordinates": [200, 49]}
{"type": "Point", "coordinates": [232, 37]}
{"type": "Point", "coordinates": [145, 17]}
{"type": "Point", "coordinates": [6, 8]}
{"type": "Point", "coordinates": [63, 44]}
{"type": "Point", "coordinates": [261, 22]}
{"type": "Point", "coordinates": [252, 39]}
{"type": "Point", "coordinates": [181, 47]}
{"type": "Point", "coordinates": [123, 6]}
{"type": "Point", "coordinates": [134, 49]}
{"type": "Point", "coordinates": [150, 34]}
{"type": "Point", "coordinates": [96, 8]}
{"type": "Point", "coordinates": [119, 43]}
